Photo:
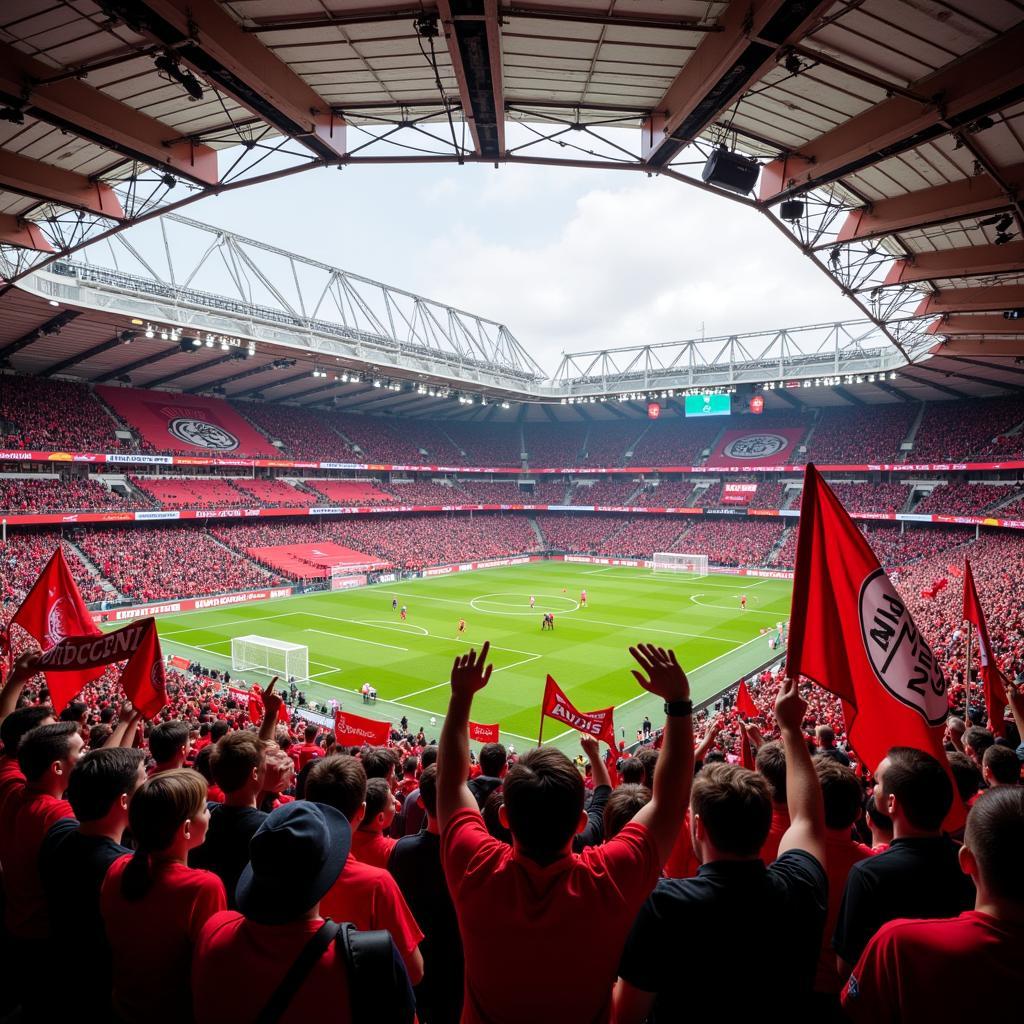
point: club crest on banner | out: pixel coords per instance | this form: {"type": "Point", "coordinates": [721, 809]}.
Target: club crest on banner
{"type": "Point", "coordinates": [57, 622]}
{"type": "Point", "coordinates": [755, 446]}
{"type": "Point", "coordinates": [897, 652]}
{"type": "Point", "coordinates": [202, 434]}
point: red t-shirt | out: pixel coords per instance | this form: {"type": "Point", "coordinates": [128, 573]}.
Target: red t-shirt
{"type": "Point", "coordinates": [780, 822]}
{"type": "Point", "coordinates": [372, 847]}
{"type": "Point", "coordinates": [938, 970]}
{"type": "Point", "coordinates": [239, 964]}
{"type": "Point", "coordinates": [11, 781]}
{"type": "Point", "coordinates": [682, 861]}
{"type": "Point", "coordinates": [305, 752]}
{"type": "Point", "coordinates": [543, 942]}
{"type": "Point", "coordinates": [369, 898]}
{"type": "Point", "coordinates": [151, 939]}
{"type": "Point", "coordinates": [29, 815]}
{"type": "Point", "coordinates": [841, 853]}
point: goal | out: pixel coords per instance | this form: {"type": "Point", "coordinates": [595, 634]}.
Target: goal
{"type": "Point", "coordinates": [275, 657]}
{"type": "Point", "coordinates": [672, 561]}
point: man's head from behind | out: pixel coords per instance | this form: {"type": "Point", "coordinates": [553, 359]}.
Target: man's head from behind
{"type": "Point", "coordinates": [380, 763]}
{"type": "Point", "coordinates": [238, 762]}
{"type": "Point", "coordinates": [428, 791]}
{"type": "Point", "coordinates": [622, 807]}
{"type": "Point", "coordinates": [493, 760]}
{"type": "Point", "coordinates": [48, 753]}
{"type": "Point", "coordinates": [168, 743]}
{"type": "Point", "coordinates": [21, 721]}
{"type": "Point", "coordinates": [380, 806]}
{"type": "Point", "coordinates": [340, 782]}
{"type": "Point", "coordinates": [103, 781]}
{"type": "Point", "coordinates": [914, 790]}
{"type": "Point", "coordinates": [976, 741]}
{"type": "Point", "coordinates": [841, 792]}
{"type": "Point", "coordinates": [994, 845]}
{"type": "Point", "coordinates": [543, 803]}
{"type": "Point", "coordinates": [771, 763]}
{"type": "Point", "coordinates": [1001, 766]}
{"type": "Point", "coordinates": [730, 812]}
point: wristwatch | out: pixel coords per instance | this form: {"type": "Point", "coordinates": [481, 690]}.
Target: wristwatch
{"type": "Point", "coordinates": [678, 708]}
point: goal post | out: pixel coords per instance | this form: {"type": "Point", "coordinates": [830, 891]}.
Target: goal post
{"type": "Point", "coordinates": [265, 654]}
{"type": "Point", "coordinates": [677, 562]}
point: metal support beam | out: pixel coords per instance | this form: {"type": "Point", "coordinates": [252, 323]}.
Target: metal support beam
{"type": "Point", "coordinates": [208, 39]}
{"type": "Point", "coordinates": [22, 234]}
{"type": "Point", "coordinates": [53, 184]}
{"type": "Point", "coordinates": [185, 371]}
{"type": "Point", "coordinates": [1007, 368]}
{"type": "Point", "coordinates": [890, 390]}
{"type": "Point", "coordinates": [274, 384]}
{"type": "Point", "coordinates": [78, 108]}
{"type": "Point", "coordinates": [83, 357]}
{"type": "Point", "coordinates": [976, 325]}
{"type": "Point", "coordinates": [987, 79]}
{"type": "Point", "coordinates": [52, 326]}
{"type": "Point", "coordinates": [987, 381]}
{"type": "Point", "coordinates": [252, 371]}
{"type": "Point", "coordinates": [124, 371]}
{"type": "Point", "coordinates": [969, 261]}
{"type": "Point", "coordinates": [848, 396]}
{"type": "Point", "coordinates": [972, 300]}
{"type": "Point", "coordinates": [314, 391]}
{"type": "Point", "coordinates": [473, 34]}
{"type": "Point", "coordinates": [722, 68]}
{"type": "Point", "coordinates": [959, 200]}
{"type": "Point", "coordinates": [932, 384]}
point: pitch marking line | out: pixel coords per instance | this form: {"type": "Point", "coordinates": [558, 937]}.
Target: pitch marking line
{"type": "Point", "coordinates": [358, 640]}
{"type": "Point", "coordinates": [731, 608]}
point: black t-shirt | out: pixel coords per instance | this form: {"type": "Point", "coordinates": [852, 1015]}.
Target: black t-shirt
{"type": "Point", "coordinates": [72, 868]}
{"type": "Point", "coordinates": [836, 754]}
{"type": "Point", "coordinates": [913, 878]}
{"type": "Point", "coordinates": [593, 834]}
{"type": "Point", "coordinates": [685, 937]}
{"type": "Point", "coordinates": [415, 864]}
{"type": "Point", "coordinates": [226, 848]}
{"type": "Point", "coordinates": [482, 787]}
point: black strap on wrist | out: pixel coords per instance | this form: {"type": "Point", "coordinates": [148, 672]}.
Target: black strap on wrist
{"type": "Point", "coordinates": [678, 708]}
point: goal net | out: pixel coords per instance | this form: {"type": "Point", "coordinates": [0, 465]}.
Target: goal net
{"type": "Point", "coordinates": [672, 561]}
{"type": "Point", "coordinates": [275, 657]}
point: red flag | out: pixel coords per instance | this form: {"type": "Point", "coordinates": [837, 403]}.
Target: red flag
{"type": "Point", "coordinates": [992, 678]}
{"type": "Point", "coordinates": [747, 758]}
{"type": "Point", "coordinates": [137, 644]}
{"type": "Point", "coordinates": [53, 609]}
{"type": "Point", "coordinates": [593, 723]}
{"type": "Point", "coordinates": [255, 705]}
{"type": "Point", "coordinates": [852, 634]}
{"type": "Point", "coordinates": [745, 703]}
{"type": "Point", "coordinates": [354, 730]}
{"type": "Point", "coordinates": [484, 733]}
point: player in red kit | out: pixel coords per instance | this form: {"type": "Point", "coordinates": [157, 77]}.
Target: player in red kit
{"type": "Point", "coordinates": [583, 599]}
{"type": "Point", "coordinates": [743, 601]}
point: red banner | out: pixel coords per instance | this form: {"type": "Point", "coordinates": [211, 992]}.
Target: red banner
{"type": "Point", "coordinates": [738, 494]}
{"type": "Point", "coordinates": [756, 447]}
{"type": "Point", "coordinates": [992, 678]}
{"type": "Point", "coordinates": [594, 723]}
{"type": "Point", "coordinates": [484, 733]}
{"type": "Point", "coordinates": [354, 730]}
{"type": "Point", "coordinates": [142, 678]}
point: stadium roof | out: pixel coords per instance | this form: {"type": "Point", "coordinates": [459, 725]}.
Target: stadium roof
{"type": "Point", "coordinates": [898, 126]}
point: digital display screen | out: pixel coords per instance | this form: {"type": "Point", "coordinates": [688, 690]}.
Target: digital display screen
{"type": "Point", "coordinates": [708, 405]}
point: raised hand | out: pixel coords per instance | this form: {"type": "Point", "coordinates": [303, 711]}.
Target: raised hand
{"type": "Point", "coordinates": [23, 668]}
{"type": "Point", "coordinates": [271, 701]}
{"type": "Point", "coordinates": [790, 707]}
{"type": "Point", "coordinates": [470, 672]}
{"type": "Point", "coordinates": [665, 676]}
{"type": "Point", "coordinates": [591, 748]}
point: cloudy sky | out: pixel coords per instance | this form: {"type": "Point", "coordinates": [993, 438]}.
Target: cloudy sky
{"type": "Point", "coordinates": [569, 259]}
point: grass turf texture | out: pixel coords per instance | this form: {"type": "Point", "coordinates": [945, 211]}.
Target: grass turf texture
{"type": "Point", "coordinates": [354, 637]}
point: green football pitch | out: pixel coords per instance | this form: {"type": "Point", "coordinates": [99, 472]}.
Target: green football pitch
{"type": "Point", "coordinates": [354, 636]}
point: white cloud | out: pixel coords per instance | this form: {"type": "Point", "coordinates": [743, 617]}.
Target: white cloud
{"type": "Point", "coordinates": [648, 261]}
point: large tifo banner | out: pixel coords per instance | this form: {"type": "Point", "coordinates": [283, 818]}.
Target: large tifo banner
{"type": "Point", "coordinates": [738, 494]}
{"type": "Point", "coordinates": [186, 423]}
{"type": "Point", "coordinates": [754, 448]}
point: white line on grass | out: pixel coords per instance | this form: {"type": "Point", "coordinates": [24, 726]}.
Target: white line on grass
{"type": "Point", "coordinates": [733, 608]}
{"type": "Point", "coordinates": [437, 686]}
{"type": "Point", "coordinates": [358, 640]}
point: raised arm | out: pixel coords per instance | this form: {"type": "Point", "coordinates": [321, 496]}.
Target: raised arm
{"type": "Point", "coordinates": [673, 775]}
{"type": "Point", "coordinates": [126, 720]}
{"type": "Point", "coordinates": [598, 769]}
{"type": "Point", "coordinates": [21, 672]}
{"type": "Point", "coordinates": [709, 740]}
{"type": "Point", "coordinates": [470, 673]}
{"type": "Point", "coordinates": [1016, 701]}
{"type": "Point", "coordinates": [803, 791]}
{"type": "Point", "coordinates": [271, 709]}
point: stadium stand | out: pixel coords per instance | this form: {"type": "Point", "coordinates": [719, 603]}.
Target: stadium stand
{"type": "Point", "coordinates": [351, 492]}
{"type": "Point", "coordinates": [492, 492]}
{"type": "Point", "coordinates": [871, 497]}
{"type": "Point", "coordinates": [486, 444]}
{"type": "Point", "coordinates": [957, 431]}
{"type": "Point", "coordinates": [616, 491]}
{"type": "Point", "coordinates": [675, 442]}
{"type": "Point", "coordinates": [22, 495]}
{"type": "Point", "coordinates": [642, 536]}
{"type": "Point", "coordinates": [608, 443]}
{"type": "Point", "coordinates": [427, 492]}
{"type": "Point", "coordinates": [190, 492]}
{"type": "Point", "coordinates": [23, 557]}
{"type": "Point", "coordinates": [667, 494]}
{"type": "Point", "coordinates": [857, 436]}
{"type": "Point", "coordinates": [961, 499]}
{"type": "Point", "coordinates": [550, 491]}
{"type": "Point", "coordinates": [555, 444]}
{"type": "Point", "coordinates": [580, 533]}
{"type": "Point", "coordinates": [731, 542]}
{"type": "Point", "coordinates": [378, 439]}
{"type": "Point", "coordinates": [305, 433]}
{"type": "Point", "coordinates": [273, 493]}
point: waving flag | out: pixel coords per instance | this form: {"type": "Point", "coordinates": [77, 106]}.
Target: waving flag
{"type": "Point", "coordinates": [993, 680]}
{"type": "Point", "coordinates": [598, 724]}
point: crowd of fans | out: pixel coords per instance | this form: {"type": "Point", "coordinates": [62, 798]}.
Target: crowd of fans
{"type": "Point", "coordinates": [552, 491]}
{"type": "Point", "coordinates": [555, 444]}
{"type": "Point", "coordinates": [733, 542]}
{"type": "Point", "coordinates": [352, 492]}
{"type": "Point", "coordinates": [378, 440]}
{"type": "Point", "coordinates": [871, 497]}
{"type": "Point", "coordinates": [492, 492]}
{"type": "Point", "coordinates": [428, 492]}
{"type": "Point", "coordinates": [273, 493]}
{"type": "Point", "coordinates": [158, 562]}
{"type": "Point", "coordinates": [22, 558]}
{"type": "Point", "coordinates": [641, 536]}
{"type": "Point", "coordinates": [305, 433]}
{"type": "Point", "coordinates": [486, 444]}
{"type": "Point", "coordinates": [580, 533]}
{"type": "Point", "coordinates": [958, 431]}
{"type": "Point", "coordinates": [23, 496]}
{"type": "Point", "coordinates": [667, 494]}
{"type": "Point", "coordinates": [190, 492]}
{"type": "Point", "coordinates": [613, 491]}
{"type": "Point", "coordinates": [862, 435]}
{"type": "Point", "coordinates": [675, 441]}
{"type": "Point", "coordinates": [608, 442]}
{"type": "Point", "coordinates": [961, 499]}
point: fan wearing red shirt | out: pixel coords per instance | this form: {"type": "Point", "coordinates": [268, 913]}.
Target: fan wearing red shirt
{"type": "Point", "coordinates": [562, 917]}
{"type": "Point", "coordinates": [12, 729]}
{"type": "Point", "coordinates": [369, 844]}
{"type": "Point", "coordinates": [307, 750]}
{"type": "Point", "coordinates": [770, 761]}
{"type": "Point", "coordinates": [154, 905]}
{"type": "Point", "coordinates": [366, 895]}
{"type": "Point", "coordinates": [913, 970]}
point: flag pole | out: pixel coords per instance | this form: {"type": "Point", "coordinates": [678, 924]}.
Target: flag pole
{"type": "Point", "coordinates": [967, 680]}
{"type": "Point", "coordinates": [540, 734]}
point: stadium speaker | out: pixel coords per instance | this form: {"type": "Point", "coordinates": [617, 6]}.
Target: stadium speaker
{"type": "Point", "coordinates": [791, 210]}
{"type": "Point", "coordinates": [731, 171]}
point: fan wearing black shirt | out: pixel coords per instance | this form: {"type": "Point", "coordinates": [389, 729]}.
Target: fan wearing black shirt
{"type": "Point", "coordinates": [76, 854]}
{"type": "Point", "coordinates": [238, 764]}
{"type": "Point", "coordinates": [919, 875]}
{"type": "Point", "coordinates": [415, 864]}
{"type": "Point", "coordinates": [680, 940]}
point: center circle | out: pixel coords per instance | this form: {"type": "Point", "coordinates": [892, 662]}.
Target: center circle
{"type": "Point", "coordinates": [519, 604]}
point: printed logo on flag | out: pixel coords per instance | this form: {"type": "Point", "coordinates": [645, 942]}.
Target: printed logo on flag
{"type": "Point", "coordinates": [57, 625]}
{"type": "Point", "coordinates": [202, 434]}
{"type": "Point", "coordinates": [898, 653]}
{"type": "Point", "coordinates": [755, 446]}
